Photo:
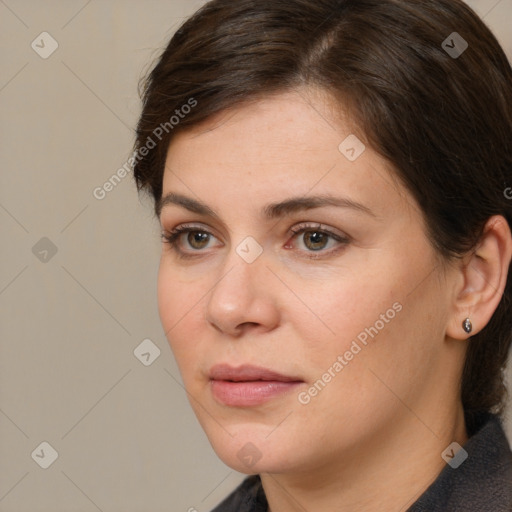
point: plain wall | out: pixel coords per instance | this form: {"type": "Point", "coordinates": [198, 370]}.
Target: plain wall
{"type": "Point", "coordinates": [125, 435]}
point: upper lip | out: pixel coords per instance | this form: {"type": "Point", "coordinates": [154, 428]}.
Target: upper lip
{"type": "Point", "coordinates": [247, 372]}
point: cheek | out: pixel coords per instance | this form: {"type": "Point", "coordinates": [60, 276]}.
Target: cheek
{"type": "Point", "coordinates": [385, 354]}
{"type": "Point", "coordinates": [344, 310]}
{"type": "Point", "coordinates": [167, 294]}
{"type": "Point", "coordinates": [370, 319]}
{"type": "Point", "coordinates": [176, 305]}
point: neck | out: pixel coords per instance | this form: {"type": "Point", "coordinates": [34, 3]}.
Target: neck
{"type": "Point", "coordinates": [388, 474]}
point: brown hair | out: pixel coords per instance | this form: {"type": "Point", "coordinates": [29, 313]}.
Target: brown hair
{"type": "Point", "coordinates": [444, 121]}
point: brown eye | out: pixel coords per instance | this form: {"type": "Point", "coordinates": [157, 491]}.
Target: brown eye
{"type": "Point", "coordinates": [317, 240]}
{"type": "Point", "coordinates": [197, 237]}
{"type": "Point", "coordinates": [196, 240]}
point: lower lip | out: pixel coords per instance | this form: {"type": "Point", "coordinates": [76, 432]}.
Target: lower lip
{"type": "Point", "coordinates": [249, 393]}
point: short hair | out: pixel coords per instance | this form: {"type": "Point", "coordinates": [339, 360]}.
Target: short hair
{"type": "Point", "coordinates": [439, 111]}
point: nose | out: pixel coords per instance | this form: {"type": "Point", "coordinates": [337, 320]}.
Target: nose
{"type": "Point", "coordinates": [245, 297]}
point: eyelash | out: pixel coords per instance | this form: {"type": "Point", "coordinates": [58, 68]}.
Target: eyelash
{"type": "Point", "coordinates": [171, 238]}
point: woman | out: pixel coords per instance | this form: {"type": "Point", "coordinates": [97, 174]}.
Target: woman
{"type": "Point", "coordinates": [332, 179]}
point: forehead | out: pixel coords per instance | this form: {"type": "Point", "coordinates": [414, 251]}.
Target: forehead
{"type": "Point", "coordinates": [291, 144]}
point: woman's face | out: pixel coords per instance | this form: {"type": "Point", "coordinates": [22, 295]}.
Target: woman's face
{"type": "Point", "coordinates": [349, 308]}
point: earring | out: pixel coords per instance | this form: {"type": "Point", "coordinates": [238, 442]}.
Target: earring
{"type": "Point", "coordinates": [467, 326]}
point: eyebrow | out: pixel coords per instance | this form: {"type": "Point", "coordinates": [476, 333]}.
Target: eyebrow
{"type": "Point", "coordinates": [270, 211]}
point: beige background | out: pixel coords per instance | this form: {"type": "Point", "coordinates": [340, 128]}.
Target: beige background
{"type": "Point", "coordinates": [124, 433]}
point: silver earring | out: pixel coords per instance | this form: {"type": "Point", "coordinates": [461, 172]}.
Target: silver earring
{"type": "Point", "coordinates": [467, 326]}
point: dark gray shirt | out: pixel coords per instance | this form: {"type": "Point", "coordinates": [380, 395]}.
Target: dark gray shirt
{"type": "Point", "coordinates": [482, 483]}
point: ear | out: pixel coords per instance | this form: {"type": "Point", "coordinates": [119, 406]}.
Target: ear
{"type": "Point", "coordinates": [482, 278]}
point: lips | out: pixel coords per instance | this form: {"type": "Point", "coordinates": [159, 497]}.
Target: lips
{"type": "Point", "coordinates": [248, 385]}
{"type": "Point", "coordinates": [248, 373]}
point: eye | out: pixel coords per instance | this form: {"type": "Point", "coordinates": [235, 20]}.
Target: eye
{"type": "Point", "coordinates": [197, 238]}
{"type": "Point", "coordinates": [317, 238]}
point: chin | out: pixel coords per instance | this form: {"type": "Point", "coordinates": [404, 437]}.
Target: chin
{"type": "Point", "coordinates": [241, 461]}
{"type": "Point", "coordinates": [252, 452]}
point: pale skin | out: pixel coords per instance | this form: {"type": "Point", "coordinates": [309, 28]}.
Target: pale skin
{"type": "Point", "coordinates": [372, 439]}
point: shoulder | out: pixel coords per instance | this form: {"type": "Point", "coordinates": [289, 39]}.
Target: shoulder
{"type": "Point", "coordinates": [247, 497]}
{"type": "Point", "coordinates": [483, 481]}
